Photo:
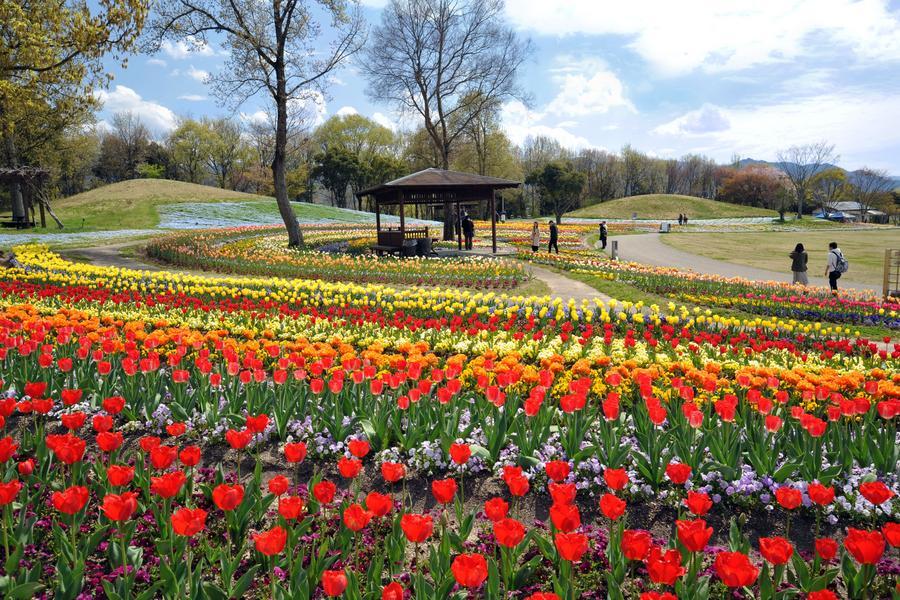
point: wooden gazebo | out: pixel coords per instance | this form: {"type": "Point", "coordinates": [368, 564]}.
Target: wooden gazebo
{"type": "Point", "coordinates": [434, 187]}
{"type": "Point", "coordinates": [31, 185]}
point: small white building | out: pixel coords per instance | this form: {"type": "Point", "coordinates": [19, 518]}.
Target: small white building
{"type": "Point", "coordinates": [849, 211]}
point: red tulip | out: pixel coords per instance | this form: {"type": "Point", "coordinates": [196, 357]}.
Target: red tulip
{"type": "Point", "coordinates": [114, 404]}
{"type": "Point", "coordinates": [334, 583]}
{"type": "Point", "coordinates": [571, 546]}
{"type": "Point", "coordinates": [616, 479]}
{"type": "Point", "coordinates": [562, 493]}
{"type": "Point", "coordinates": [189, 456]}
{"type": "Point", "coordinates": [773, 423]}
{"type": "Point", "coordinates": [71, 500]}
{"type": "Point", "coordinates": [25, 467]}
{"type": "Point", "coordinates": [256, 424]}
{"type": "Point", "coordinates": [821, 595]}
{"type": "Point", "coordinates": [678, 473]}
{"type": "Point", "coordinates": [295, 452]}
{"type": "Point", "coordinates": [865, 546]}
{"type": "Point", "coordinates": [664, 567]}
{"type": "Point", "coordinates": [119, 507]}
{"type": "Point", "coordinates": [496, 509]}
{"type": "Point", "coordinates": [460, 453]}
{"type": "Point", "coordinates": [271, 542]}
{"type": "Point", "coordinates": [73, 421]}
{"type": "Point", "coordinates": [443, 490]}
{"type": "Point", "coordinates": [543, 596]}
{"type": "Point", "coordinates": [392, 472]}
{"type": "Point", "coordinates": [826, 548]}
{"type": "Point", "coordinates": [735, 569]}
{"type": "Point", "coordinates": [356, 518]}
{"type": "Point", "coordinates": [788, 497]}
{"type": "Point", "coordinates": [469, 570]}
{"type": "Point", "coordinates": [876, 492]}
{"type": "Point", "coordinates": [228, 497]}
{"type": "Point", "coordinates": [565, 517]}
{"type": "Point", "coordinates": [290, 507]}
{"type": "Point", "coordinates": [9, 490]}
{"type": "Point", "coordinates": [324, 492]}
{"type": "Point", "coordinates": [119, 475]}
{"type": "Point", "coordinates": [635, 544]}
{"type": "Point", "coordinates": [518, 486]}
{"type": "Point", "coordinates": [358, 448]}
{"type": "Point", "coordinates": [349, 468]}
{"type": "Point", "coordinates": [820, 494]}
{"type": "Point", "coordinates": [162, 457]}
{"type": "Point", "coordinates": [168, 485]}
{"type": "Point", "coordinates": [416, 528]}
{"type": "Point", "coordinates": [7, 448]}
{"type": "Point", "coordinates": [509, 532]}
{"type": "Point", "coordinates": [108, 441]}
{"type": "Point", "coordinates": [698, 503]}
{"type": "Point", "coordinates": [148, 442]}
{"type": "Point", "coordinates": [176, 429]}
{"type": "Point", "coordinates": [891, 533]}
{"type": "Point", "coordinates": [188, 522]}
{"type": "Point", "coordinates": [693, 535]}
{"type": "Point", "coordinates": [379, 504]}
{"type": "Point", "coordinates": [658, 596]}
{"type": "Point", "coordinates": [238, 440]}
{"type": "Point", "coordinates": [776, 550]}
{"type": "Point", "coordinates": [67, 448]}
{"type": "Point", "coordinates": [612, 507]}
{"type": "Point", "coordinates": [102, 423]}
{"type": "Point", "coordinates": [557, 470]}
{"type": "Point", "coordinates": [392, 591]}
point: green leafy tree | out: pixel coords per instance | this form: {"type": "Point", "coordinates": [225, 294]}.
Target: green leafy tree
{"type": "Point", "coordinates": [335, 168]}
{"type": "Point", "coordinates": [829, 187]}
{"type": "Point", "coordinates": [560, 185]}
{"type": "Point", "coordinates": [191, 144]}
{"type": "Point", "coordinates": [227, 151]}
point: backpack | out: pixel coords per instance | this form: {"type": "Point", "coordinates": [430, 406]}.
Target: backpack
{"type": "Point", "coordinates": [841, 265]}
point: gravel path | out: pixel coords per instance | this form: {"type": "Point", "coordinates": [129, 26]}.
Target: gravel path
{"type": "Point", "coordinates": [564, 287]}
{"type": "Point", "coordinates": [649, 249]}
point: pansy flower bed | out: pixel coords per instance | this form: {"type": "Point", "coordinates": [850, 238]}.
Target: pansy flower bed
{"type": "Point", "coordinates": [174, 436]}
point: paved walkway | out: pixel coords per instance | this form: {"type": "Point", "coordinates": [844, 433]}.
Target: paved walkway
{"type": "Point", "coordinates": [649, 249]}
{"type": "Point", "coordinates": [565, 287]}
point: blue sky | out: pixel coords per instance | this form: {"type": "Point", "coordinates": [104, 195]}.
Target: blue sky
{"type": "Point", "coordinates": [716, 77]}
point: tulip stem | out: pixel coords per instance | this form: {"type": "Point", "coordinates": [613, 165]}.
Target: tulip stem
{"type": "Point", "coordinates": [189, 577]}
{"type": "Point", "coordinates": [272, 577]}
{"type": "Point", "coordinates": [74, 543]}
{"type": "Point", "coordinates": [124, 554]}
{"type": "Point", "coordinates": [6, 525]}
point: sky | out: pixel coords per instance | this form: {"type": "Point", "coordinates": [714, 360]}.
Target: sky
{"type": "Point", "coordinates": [714, 77]}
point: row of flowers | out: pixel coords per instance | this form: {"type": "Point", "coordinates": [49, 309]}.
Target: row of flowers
{"type": "Point", "coordinates": [264, 251]}
{"type": "Point", "coordinates": [772, 298]}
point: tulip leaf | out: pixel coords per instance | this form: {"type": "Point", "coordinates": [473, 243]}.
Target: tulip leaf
{"type": "Point", "coordinates": [24, 591]}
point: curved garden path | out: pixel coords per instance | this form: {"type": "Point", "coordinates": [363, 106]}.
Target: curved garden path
{"type": "Point", "coordinates": [564, 287]}
{"type": "Point", "coordinates": [649, 249]}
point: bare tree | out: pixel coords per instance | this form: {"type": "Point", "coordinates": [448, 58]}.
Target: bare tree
{"type": "Point", "coordinates": [447, 61]}
{"type": "Point", "coordinates": [801, 164]}
{"type": "Point", "coordinates": [870, 188]}
{"type": "Point", "coordinates": [134, 139]}
{"type": "Point", "coordinates": [275, 48]}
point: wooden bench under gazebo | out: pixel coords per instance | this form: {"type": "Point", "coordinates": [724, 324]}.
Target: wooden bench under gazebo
{"type": "Point", "coordinates": [431, 187]}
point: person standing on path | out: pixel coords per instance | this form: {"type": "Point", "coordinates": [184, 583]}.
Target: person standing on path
{"type": "Point", "coordinates": [468, 226]}
{"type": "Point", "coordinates": [604, 233]}
{"type": "Point", "coordinates": [680, 219]}
{"type": "Point", "coordinates": [535, 237]}
{"type": "Point", "coordinates": [835, 266]}
{"type": "Point", "coordinates": [554, 238]}
{"type": "Point", "coordinates": [799, 260]}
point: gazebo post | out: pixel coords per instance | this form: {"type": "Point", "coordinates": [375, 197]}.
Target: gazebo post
{"type": "Point", "coordinates": [458, 225]}
{"type": "Point", "coordinates": [493, 223]}
{"type": "Point", "coordinates": [377, 217]}
{"type": "Point", "coordinates": [402, 220]}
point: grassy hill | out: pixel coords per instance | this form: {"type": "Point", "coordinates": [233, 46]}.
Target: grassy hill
{"type": "Point", "coordinates": [668, 206]}
{"type": "Point", "coordinates": [140, 204]}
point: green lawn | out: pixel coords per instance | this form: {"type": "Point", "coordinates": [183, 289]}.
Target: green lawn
{"type": "Point", "coordinates": [668, 206]}
{"type": "Point", "coordinates": [864, 249]}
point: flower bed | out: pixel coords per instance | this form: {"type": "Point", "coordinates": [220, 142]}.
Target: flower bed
{"type": "Point", "coordinates": [168, 435]}
{"type": "Point", "coordinates": [771, 298]}
{"type": "Point", "coordinates": [264, 251]}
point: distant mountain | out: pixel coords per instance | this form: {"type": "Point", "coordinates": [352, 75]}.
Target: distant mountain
{"type": "Point", "coordinates": [746, 162]}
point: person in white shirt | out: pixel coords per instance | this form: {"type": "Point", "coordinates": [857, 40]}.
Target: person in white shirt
{"type": "Point", "coordinates": [831, 267]}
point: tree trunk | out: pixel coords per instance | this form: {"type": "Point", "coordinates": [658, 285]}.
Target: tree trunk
{"type": "Point", "coordinates": [449, 217]}
{"type": "Point", "coordinates": [295, 236]}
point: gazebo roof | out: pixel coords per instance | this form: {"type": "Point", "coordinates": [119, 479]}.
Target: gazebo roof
{"type": "Point", "coordinates": [439, 179]}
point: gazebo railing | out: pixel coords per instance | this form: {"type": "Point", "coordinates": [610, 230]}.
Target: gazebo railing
{"type": "Point", "coordinates": [396, 237]}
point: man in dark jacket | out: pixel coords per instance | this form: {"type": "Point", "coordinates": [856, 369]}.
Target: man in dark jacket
{"type": "Point", "coordinates": [468, 226]}
{"type": "Point", "coordinates": [554, 238]}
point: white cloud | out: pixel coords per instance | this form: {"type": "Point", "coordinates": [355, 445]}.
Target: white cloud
{"type": "Point", "coordinates": [706, 119]}
{"type": "Point", "coordinates": [385, 121]}
{"type": "Point", "coordinates": [852, 120]}
{"type": "Point", "coordinates": [346, 110]}
{"type": "Point", "coordinates": [725, 35]}
{"type": "Point", "coordinates": [156, 62]}
{"type": "Point", "coordinates": [583, 94]}
{"type": "Point", "coordinates": [520, 123]}
{"type": "Point", "coordinates": [190, 46]}
{"type": "Point", "coordinates": [124, 99]}
{"type": "Point", "coordinates": [192, 97]}
{"type": "Point", "coordinates": [198, 74]}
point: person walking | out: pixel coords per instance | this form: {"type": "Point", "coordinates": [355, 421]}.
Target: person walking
{"type": "Point", "coordinates": [604, 233]}
{"type": "Point", "coordinates": [684, 218]}
{"type": "Point", "coordinates": [799, 259]}
{"type": "Point", "coordinates": [554, 238]}
{"type": "Point", "coordinates": [468, 226]}
{"type": "Point", "coordinates": [836, 266]}
{"type": "Point", "coordinates": [680, 219]}
{"type": "Point", "coordinates": [535, 237]}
